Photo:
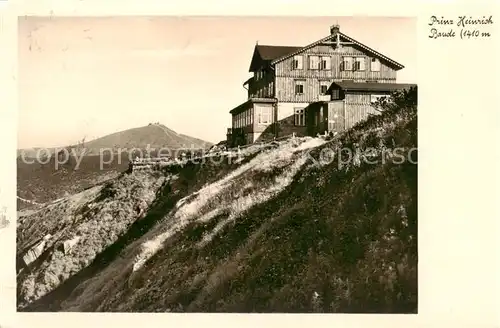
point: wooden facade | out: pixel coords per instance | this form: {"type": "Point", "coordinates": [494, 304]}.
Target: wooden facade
{"type": "Point", "coordinates": [307, 88]}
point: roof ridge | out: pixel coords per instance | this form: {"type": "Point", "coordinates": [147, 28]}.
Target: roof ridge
{"type": "Point", "coordinates": [274, 45]}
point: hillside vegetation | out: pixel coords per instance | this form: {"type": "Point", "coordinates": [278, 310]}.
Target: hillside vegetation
{"type": "Point", "coordinates": [282, 229]}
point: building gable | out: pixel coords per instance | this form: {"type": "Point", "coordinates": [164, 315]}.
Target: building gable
{"type": "Point", "coordinates": [342, 38]}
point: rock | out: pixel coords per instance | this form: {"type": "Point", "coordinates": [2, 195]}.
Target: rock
{"type": "Point", "coordinates": [69, 244]}
{"type": "Point", "coordinates": [33, 253]}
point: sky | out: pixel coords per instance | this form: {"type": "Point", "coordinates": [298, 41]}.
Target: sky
{"type": "Point", "coordinates": [86, 77]}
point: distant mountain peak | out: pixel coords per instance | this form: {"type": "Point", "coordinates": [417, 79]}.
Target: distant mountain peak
{"type": "Point", "coordinates": [153, 135]}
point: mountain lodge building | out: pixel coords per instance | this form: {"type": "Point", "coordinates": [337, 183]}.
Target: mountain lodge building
{"type": "Point", "coordinates": [328, 85]}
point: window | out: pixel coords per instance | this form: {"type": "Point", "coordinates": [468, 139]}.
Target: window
{"type": "Point", "coordinates": [323, 87]}
{"type": "Point", "coordinates": [265, 115]}
{"type": "Point", "coordinates": [297, 62]}
{"type": "Point", "coordinates": [299, 87]}
{"type": "Point", "coordinates": [354, 63]}
{"type": "Point", "coordinates": [300, 117]}
{"type": "Point", "coordinates": [313, 62]}
{"type": "Point", "coordinates": [348, 66]}
{"type": "Point", "coordinates": [335, 94]}
{"type": "Point", "coordinates": [375, 65]}
{"type": "Point", "coordinates": [360, 64]}
{"type": "Point", "coordinates": [325, 63]}
{"type": "Point", "coordinates": [259, 75]}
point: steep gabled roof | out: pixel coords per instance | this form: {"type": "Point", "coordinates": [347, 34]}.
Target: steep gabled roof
{"type": "Point", "coordinates": [268, 53]}
{"type": "Point", "coordinates": [375, 53]}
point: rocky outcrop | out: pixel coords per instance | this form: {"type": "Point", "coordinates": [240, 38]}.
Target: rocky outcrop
{"type": "Point", "coordinates": [34, 252]}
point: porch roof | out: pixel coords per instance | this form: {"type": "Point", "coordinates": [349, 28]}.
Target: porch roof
{"type": "Point", "coordinates": [369, 86]}
{"type": "Point", "coordinates": [240, 108]}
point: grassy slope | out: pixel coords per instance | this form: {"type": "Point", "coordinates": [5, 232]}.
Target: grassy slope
{"type": "Point", "coordinates": [334, 240]}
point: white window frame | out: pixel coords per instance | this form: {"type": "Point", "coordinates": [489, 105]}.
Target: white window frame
{"type": "Point", "coordinates": [265, 115]}
{"type": "Point", "coordinates": [348, 60]}
{"type": "Point", "coordinates": [299, 83]}
{"type": "Point", "coordinates": [314, 62]}
{"type": "Point", "coordinates": [360, 63]}
{"type": "Point", "coordinates": [325, 63]}
{"type": "Point", "coordinates": [297, 62]}
{"type": "Point", "coordinates": [375, 65]}
{"type": "Point", "coordinates": [299, 118]}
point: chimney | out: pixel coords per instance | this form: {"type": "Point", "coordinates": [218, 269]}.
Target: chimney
{"type": "Point", "coordinates": [334, 29]}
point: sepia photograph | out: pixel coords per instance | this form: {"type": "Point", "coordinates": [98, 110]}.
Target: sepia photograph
{"type": "Point", "coordinates": [251, 164]}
